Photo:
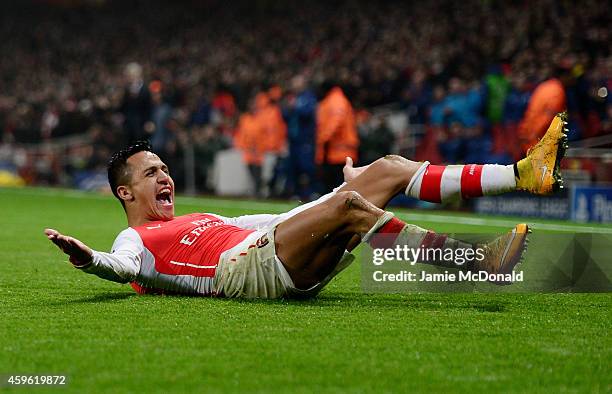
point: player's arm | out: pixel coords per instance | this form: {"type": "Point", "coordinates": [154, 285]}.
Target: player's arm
{"type": "Point", "coordinates": [122, 265]}
{"type": "Point", "coordinates": [266, 221]}
{"type": "Point", "coordinates": [251, 222]}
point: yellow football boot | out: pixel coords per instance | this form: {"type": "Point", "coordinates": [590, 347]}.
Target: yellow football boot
{"type": "Point", "coordinates": [503, 253]}
{"type": "Point", "coordinates": [539, 173]}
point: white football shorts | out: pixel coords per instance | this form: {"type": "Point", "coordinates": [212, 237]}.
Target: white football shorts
{"type": "Point", "coordinates": [251, 269]}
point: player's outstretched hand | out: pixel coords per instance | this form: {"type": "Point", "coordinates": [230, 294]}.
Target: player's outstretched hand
{"type": "Point", "coordinates": [80, 254]}
{"type": "Point", "coordinates": [351, 172]}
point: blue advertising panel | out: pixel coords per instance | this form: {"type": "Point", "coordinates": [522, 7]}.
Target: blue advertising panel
{"type": "Point", "coordinates": [591, 204]}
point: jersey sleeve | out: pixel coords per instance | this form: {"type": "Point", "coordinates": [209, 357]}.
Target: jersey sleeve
{"type": "Point", "coordinates": [123, 263]}
{"type": "Point", "coordinates": [266, 221]}
{"type": "Point", "coordinates": [252, 222]}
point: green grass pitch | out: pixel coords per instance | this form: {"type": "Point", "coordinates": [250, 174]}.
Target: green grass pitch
{"type": "Point", "coordinates": [56, 320]}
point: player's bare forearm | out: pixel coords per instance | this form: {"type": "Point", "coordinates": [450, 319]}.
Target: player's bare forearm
{"type": "Point", "coordinates": [79, 253]}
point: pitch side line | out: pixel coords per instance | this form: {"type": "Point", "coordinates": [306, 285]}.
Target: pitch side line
{"type": "Point", "coordinates": [279, 207]}
{"type": "Point", "coordinates": [504, 223]}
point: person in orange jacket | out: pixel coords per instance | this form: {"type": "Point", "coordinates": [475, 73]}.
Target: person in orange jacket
{"type": "Point", "coordinates": [547, 100]}
{"type": "Point", "coordinates": [271, 119]}
{"type": "Point", "coordinates": [250, 138]}
{"type": "Point", "coordinates": [279, 147]}
{"type": "Point", "coordinates": [336, 135]}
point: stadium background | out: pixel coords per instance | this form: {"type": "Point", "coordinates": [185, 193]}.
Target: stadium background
{"type": "Point", "coordinates": [434, 81]}
{"type": "Point", "coordinates": [66, 71]}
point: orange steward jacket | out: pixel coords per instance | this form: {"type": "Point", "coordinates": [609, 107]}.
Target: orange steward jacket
{"type": "Point", "coordinates": [336, 135]}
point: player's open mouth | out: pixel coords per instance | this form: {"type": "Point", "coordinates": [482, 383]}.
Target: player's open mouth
{"type": "Point", "coordinates": [164, 197]}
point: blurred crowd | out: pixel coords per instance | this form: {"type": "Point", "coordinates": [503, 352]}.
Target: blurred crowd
{"type": "Point", "coordinates": [294, 82]}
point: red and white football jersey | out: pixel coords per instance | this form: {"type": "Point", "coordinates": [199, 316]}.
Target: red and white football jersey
{"type": "Point", "coordinates": [175, 256]}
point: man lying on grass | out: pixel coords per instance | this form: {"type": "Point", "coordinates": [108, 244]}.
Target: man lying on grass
{"type": "Point", "coordinates": [298, 252]}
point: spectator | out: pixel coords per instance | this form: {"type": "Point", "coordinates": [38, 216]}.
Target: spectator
{"type": "Point", "coordinates": [299, 112]}
{"type": "Point", "coordinates": [463, 105]}
{"type": "Point", "coordinates": [200, 114]}
{"type": "Point", "coordinates": [161, 112]}
{"type": "Point", "coordinates": [224, 102]}
{"type": "Point", "coordinates": [207, 141]}
{"type": "Point", "coordinates": [417, 97]}
{"type": "Point", "coordinates": [497, 88]}
{"type": "Point", "coordinates": [547, 100]}
{"type": "Point", "coordinates": [136, 104]}
{"type": "Point", "coordinates": [376, 140]}
{"type": "Point", "coordinates": [270, 117]}
{"type": "Point", "coordinates": [514, 108]}
{"type": "Point", "coordinates": [437, 110]}
{"type": "Point", "coordinates": [336, 135]}
{"type": "Point", "coordinates": [250, 139]}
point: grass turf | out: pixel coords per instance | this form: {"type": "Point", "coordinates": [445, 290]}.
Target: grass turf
{"type": "Point", "coordinates": [56, 320]}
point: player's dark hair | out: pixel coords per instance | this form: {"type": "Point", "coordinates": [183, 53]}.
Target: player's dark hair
{"type": "Point", "coordinates": [119, 172]}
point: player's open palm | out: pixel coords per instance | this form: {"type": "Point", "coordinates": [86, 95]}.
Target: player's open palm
{"type": "Point", "coordinates": [80, 254]}
{"type": "Point", "coordinates": [351, 172]}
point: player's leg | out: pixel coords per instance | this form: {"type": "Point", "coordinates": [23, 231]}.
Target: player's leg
{"type": "Point", "coordinates": [388, 176]}
{"type": "Point", "coordinates": [537, 173]}
{"type": "Point", "coordinates": [500, 255]}
{"type": "Point", "coordinates": [391, 175]}
{"type": "Point", "coordinates": [310, 243]}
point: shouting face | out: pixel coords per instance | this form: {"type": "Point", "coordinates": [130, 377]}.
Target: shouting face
{"type": "Point", "coordinates": [149, 196]}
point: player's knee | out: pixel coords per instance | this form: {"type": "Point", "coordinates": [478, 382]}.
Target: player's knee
{"type": "Point", "coordinates": [388, 164]}
{"type": "Point", "coordinates": [394, 165]}
{"type": "Point", "coordinates": [395, 158]}
{"type": "Point", "coordinates": [399, 161]}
